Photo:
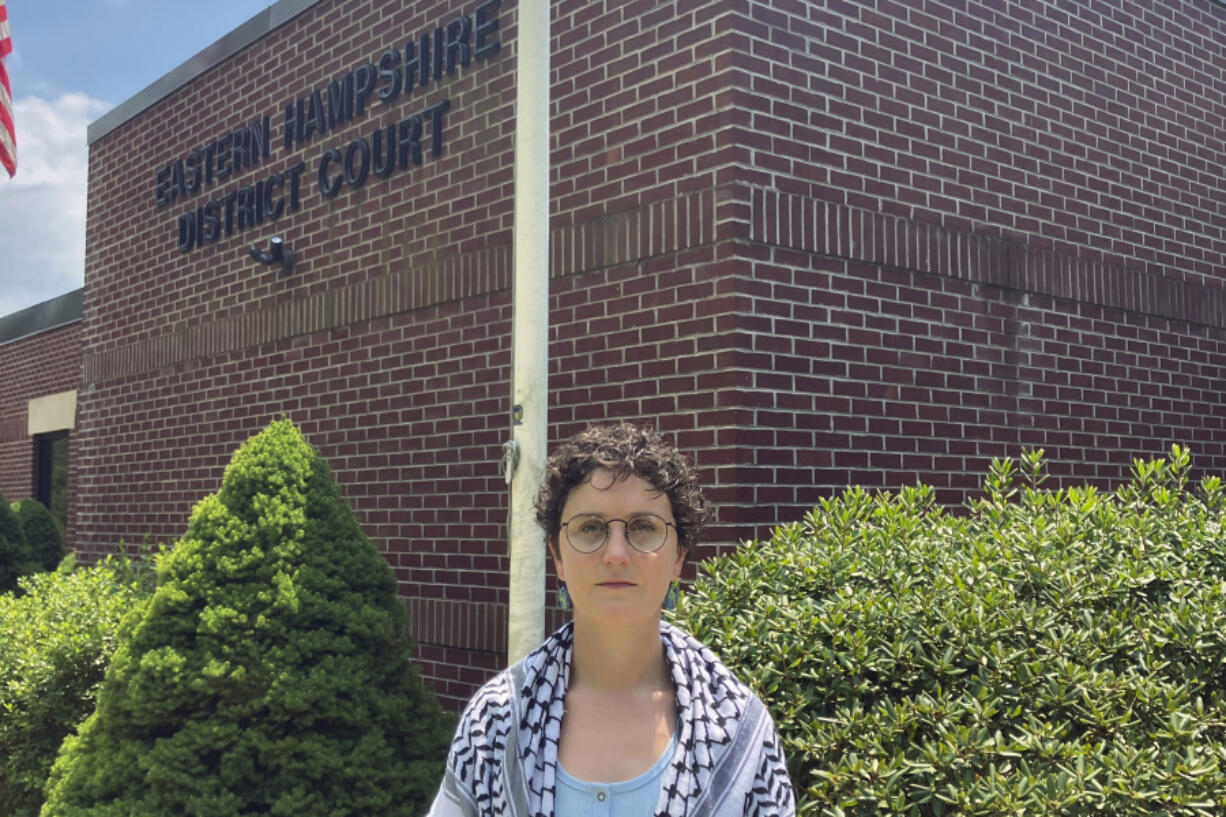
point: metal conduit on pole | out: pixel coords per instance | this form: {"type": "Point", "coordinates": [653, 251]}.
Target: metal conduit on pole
{"type": "Point", "coordinates": [525, 459]}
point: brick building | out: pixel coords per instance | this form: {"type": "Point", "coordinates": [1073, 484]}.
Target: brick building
{"type": "Point", "coordinates": [40, 358]}
{"type": "Point", "coordinates": [817, 242]}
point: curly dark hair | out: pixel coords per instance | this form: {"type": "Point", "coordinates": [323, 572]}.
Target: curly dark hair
{"type": "Point", "coordinates": [623, 449]}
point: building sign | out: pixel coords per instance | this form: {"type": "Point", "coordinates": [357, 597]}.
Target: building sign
{"type": "Point", "coordinates": [393, 75]}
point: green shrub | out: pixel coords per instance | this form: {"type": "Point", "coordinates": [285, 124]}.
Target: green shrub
{"type": "Point", "coordinates": [269, 673]}
{"type": "Point", "coordinates": [15, 560]}
{"type": "Point", "coordinates": [1043, 653]}
{"type": "Point", "coordinates": [55, 641]}
{"type": "Point", "coordinates": [43, 534]}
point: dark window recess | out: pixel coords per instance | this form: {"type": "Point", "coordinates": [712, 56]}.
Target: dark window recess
{"type": "Point", "coordinates": [51, 474]}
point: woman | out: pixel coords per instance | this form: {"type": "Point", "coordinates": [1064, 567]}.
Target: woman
{"type": "Point", "coordinates": [617, 713]}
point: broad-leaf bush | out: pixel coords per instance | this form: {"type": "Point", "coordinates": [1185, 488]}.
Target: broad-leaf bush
{"type": "Point", "coordinates": [1043, 653]}
{"type": "Point", "coordinates": [44, 538]}
{"type": "Point", "coordinates": [269, 673]}
{"type": "Point", "coordinates": [55, 641]}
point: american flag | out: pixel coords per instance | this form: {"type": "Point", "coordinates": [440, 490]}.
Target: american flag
{"type": "Point", "coordinates": [8, 138]}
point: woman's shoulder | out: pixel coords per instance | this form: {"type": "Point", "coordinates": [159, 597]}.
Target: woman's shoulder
{"type": "Point", "coordinates": [736, 727]}
{"type": "Point", "coordinates": [701, 660]}
{"type": "Point", "coordinates": [493, 701]}
{"type": "Point", "coordinates": [707, 677]}
{"type": "Point", "coordinates": [498, 698]}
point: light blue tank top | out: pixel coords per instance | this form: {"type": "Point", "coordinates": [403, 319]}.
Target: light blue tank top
{"type": "Point", "coordinates": [636, 797]}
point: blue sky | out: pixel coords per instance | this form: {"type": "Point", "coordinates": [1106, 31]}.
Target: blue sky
{"type": "Point", "coordinates": [72, 61]}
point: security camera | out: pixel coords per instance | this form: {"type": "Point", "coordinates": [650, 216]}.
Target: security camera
{"type": "Point", "coordinates": [277, 253]}
{"type": "Point", "coordinates": [281, 254]}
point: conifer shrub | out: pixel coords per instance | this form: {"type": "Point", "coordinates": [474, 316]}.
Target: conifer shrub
{"type": "Point", "coordinates": [43, 534]}
{"type": "Point", "coordinates": [1045, 652]}
{"type": "Point", "coordinates": [268, 674]}
{"type": "Point", "coordinates": [15, 560]}
{"type": "Point", "coordinates": [56, 639]}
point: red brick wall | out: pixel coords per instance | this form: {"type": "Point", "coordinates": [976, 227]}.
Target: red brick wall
{"type": "Point", "coordinates": [971, 228]}
{"type": "Point", "coordinates": [410, 411]}
{"type": "Point", "coordinates": [815, 243]}
{"type": "Point", "coordinates": [873, 375]}
{"type": "Point", "coordinates": [642, 104]}
{"type": "Point", "coordinates": [384, 227]}
{"type": "Point", "coordinates": [389, 344]}
{"type": "Point", "coordinates": [1088, 127]}
{"type": "Point", "coordinates": [35, 366]}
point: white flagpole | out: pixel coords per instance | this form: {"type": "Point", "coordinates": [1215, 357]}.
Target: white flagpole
{"type": "Point", "coordinates": [530, 327]}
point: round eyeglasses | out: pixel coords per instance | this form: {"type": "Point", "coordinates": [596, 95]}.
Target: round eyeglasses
{"type": "Point", "coordinates": [645, 532]}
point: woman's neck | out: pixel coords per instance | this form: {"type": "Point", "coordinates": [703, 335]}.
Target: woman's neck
{"type": "Point", "coordinates": [628, 657]}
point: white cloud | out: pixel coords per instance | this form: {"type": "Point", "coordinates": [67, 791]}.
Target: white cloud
{"type": "Point", "coordinates": [42, 208]}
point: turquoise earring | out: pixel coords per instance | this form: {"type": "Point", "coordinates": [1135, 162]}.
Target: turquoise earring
{"type": "Point", "coordinates": [563, 598]}
{"type": "Point", "coordinates": [670, 598]}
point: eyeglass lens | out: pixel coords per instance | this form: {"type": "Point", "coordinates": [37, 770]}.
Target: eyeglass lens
{"type": "Point", "coordinates": [645, 532]}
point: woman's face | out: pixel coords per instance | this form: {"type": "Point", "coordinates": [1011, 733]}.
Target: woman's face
{"type": "Point", "coordinates": [617, 581]}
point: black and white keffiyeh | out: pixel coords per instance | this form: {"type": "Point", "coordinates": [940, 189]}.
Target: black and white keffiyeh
{"type": "Point", "coordinates": [504, 759]}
